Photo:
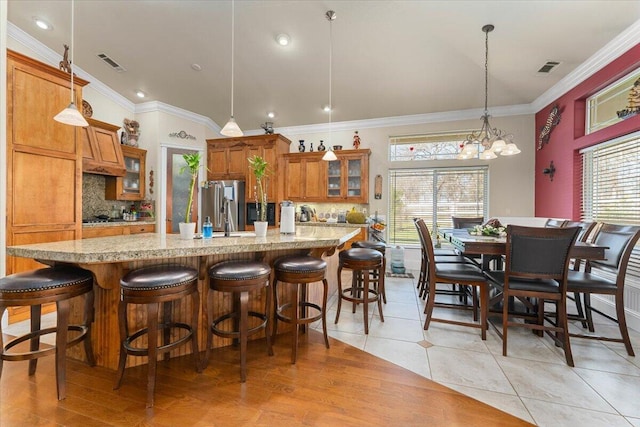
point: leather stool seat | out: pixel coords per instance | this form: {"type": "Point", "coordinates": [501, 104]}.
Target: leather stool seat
{"type": "Point", "coordinates": [151, 286]}
{"type": "Point", "coordinates": [238, 278]}
{"type": "Point", "coordinates": [363, 262]}
{"type": "Point", "coordinates": [300, 270]}
{"type": "Point", "coordinates": [379, 246]}
{"type": "Point", "coordinates": [47, 285]}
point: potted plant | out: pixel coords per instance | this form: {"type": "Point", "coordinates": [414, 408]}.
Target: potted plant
{"type": "Point", "coordinates": [188, 228]}
{"type": "Point", "coordinates": [259, 168]}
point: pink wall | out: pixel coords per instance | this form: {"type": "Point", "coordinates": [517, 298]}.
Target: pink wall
{"type": "Point", "coordinates": [561, 197]}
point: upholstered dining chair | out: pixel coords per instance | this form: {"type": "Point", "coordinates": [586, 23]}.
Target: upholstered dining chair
{"type": "Point", "coordinates": [466, 222]}
{"type": "Point", "coordinates": [555, 223]}
{"type": "Point", "coordinates": [607, 277]}
{"type": "Point", "coordinates": [536, 267]}
{"type": "Point", "coordinates": [462, 274]}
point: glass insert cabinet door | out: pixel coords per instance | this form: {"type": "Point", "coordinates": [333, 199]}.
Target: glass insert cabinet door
{"type": "Point", "coordinates": [334, 178]}
{"type": "Point", "coordinates": [344, 178]}
{"type": "Point", "coordinates": [131, 181]}
{"type": "Point", "coordinates": [354, 178]}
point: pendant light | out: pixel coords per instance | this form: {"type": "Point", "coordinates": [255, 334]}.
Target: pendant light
{"type": "Point", "coordinates": [493, 140]}
{"type": "Point", "coordinates": [232, 128]}
{"type": "Point", "coordinates": [330, 156]}
{"type": "Point", "coordinates": [71, 115]}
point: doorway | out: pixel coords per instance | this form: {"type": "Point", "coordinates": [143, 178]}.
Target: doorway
{"type": "Point", "coordinates": [177, 190]}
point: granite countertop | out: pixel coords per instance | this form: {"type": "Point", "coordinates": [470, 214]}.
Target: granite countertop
{"type": "Point", "coordinates": [154, 246]}
{"type": "Point", "coordinates": [329, 224]}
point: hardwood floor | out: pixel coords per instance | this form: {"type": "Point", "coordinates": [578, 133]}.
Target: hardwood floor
{"type": "Point", "coordinates": [342, 386]}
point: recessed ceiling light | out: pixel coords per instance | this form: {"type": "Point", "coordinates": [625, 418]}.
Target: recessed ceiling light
{"type": "Point", "coordinates": [196, 67]}
{"type": "Point", "coordinates": [140, 94]}
{"type": "Point", "coordinates": [326, 108]}
{"type": "Point", "coordinates": [42, 24]}
{"type": "Point", "coordinates": [271, 114]}
{"type": "Point", "coordinates": [283, 39]}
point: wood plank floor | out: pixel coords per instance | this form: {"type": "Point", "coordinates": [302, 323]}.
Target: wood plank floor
{"type": "Point", "coordinates": [342, 386]}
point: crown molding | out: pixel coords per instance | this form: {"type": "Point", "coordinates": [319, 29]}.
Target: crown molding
{"type": "Point", "coordinates": [415, 119]}
{"type": "Point", "coordinates": [611, 51]}
{"type": "Point", "coordinates": [157, 106]}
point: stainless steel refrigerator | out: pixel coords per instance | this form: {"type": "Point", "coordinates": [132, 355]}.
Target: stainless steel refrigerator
{"type": "Point", "coordinates": [224, 200]}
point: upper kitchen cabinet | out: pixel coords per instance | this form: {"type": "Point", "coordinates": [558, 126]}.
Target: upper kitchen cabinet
{"type": "Point", "coordinates": [132, 185]}
{"type": "Point", "coordinates": [311, 179]}
{"type": "Point", "coordinates": [348, 177]}
{"type": "Point", "coordinates": [227, 159]}
{"type": "Point", "coordinates": [305, 175]}
{"type": "Point", "coordinates": [101, 149]}
{"type": "Point", "coordinates": [44, 158]}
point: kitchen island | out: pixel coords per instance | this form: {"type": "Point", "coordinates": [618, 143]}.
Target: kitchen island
{"type": "Point", "coordinates": [109, 258]}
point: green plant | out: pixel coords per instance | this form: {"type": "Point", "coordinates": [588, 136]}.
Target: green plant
{"type": "Point", "coordinates": [192, 165]}
{"type": "Point", "coordinates": [260, 169]}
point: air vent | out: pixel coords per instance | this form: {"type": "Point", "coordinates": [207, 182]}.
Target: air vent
{"type": "Point", "coordinates": [548, 67]}
{"type": "Point", "coordinates": [111, 63]}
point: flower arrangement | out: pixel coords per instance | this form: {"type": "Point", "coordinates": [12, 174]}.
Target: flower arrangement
{"type": "Point", "coordinates": [490, 228]}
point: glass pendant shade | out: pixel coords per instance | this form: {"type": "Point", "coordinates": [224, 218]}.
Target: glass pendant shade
{"type": "Point", "coordinates": [488, 155]}
{"type": "Point", "coordinates": [71, 116]}
{"type": "Point", "coordinates": [231, 128]}
{"type": "Point", "coordinates": [510, 149]}
{"type": "Point", "coordinates": [498, 145]}
{"type": "Point", "coordinates": [329, 156]}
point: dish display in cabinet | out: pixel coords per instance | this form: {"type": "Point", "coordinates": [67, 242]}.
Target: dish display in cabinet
{"type": "Point", "coordinates": [132, 185]}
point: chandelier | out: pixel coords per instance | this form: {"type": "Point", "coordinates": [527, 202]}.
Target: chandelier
{"type": "Point", "coordinates": [493, 140]}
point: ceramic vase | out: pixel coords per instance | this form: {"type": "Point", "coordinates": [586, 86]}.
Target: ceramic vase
{"type": "Point", "coordinates": [187, 230]}
{"type": "Point", "coordinates": [261, 228]}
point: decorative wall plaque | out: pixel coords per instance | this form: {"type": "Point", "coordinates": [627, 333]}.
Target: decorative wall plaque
{"type": "Point", "coordinates": [552, 121]}
{"type": "Point", "coordinates": [182, 135]}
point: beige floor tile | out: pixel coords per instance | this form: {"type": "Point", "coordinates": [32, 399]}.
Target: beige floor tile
{"type": "Point", "coordinates": [621, 391]}
{"type": "Point", "coordinates": [557, 383]}
{"type": "Point", "coordinates": [554, 415]}
{"type": "Point", "coordinates": [409, 355]}
{"type": "Point", "coordinates": [355, 340]}
{"type": "Point", "coordinates": [397, 329]}
{"type": "Point", "coordinates": [403, 310]}
{"type": "Point", "coordinates": [455, 336]}
{"type": "Point", "coordinates": [635, 422]}
{"type": "Point", "coordinates": [505, 402]}
{"type": "Point", "coordinates": [590, 354]}
{"type": "Point", "coordinates": [524, 344]}
{"type": "Point", "coordinates": [467, 368]}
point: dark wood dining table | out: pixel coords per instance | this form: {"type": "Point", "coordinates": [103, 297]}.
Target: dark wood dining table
{"type": "Point", "coordinates": [489, 246]}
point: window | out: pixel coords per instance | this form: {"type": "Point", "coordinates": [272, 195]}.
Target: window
{"type": "Point", "coordinates": [611, 188]}
{"type": "Point", "coordinates": [434, 195]}
{"type": "Point", "coordinates": [602, 107]}
{"type": "Point", "coordinates": [441, 146]}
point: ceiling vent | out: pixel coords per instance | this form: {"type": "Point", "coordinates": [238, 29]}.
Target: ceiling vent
{"type": "Point", "coordinates": [111, 63]}
{"type": "Point", "coordinates": [548, 67]}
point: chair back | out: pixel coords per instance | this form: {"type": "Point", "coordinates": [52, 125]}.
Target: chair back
{"type": "Point", "coordinates": [466, 222]}
{"type": "Point", "coordinates": [620, 240]}
{"type": "Point", "coordinates": [425, 240]}
{"type": "Point", "coordinates": [555, 223]}
{"type": "Point", "coordinates": [539, 253]}
{"type": "Point", "coordinates": [586, 227]}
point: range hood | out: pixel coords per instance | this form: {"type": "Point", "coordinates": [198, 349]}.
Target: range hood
{"type": "Point", "coordinates": [101, 151]}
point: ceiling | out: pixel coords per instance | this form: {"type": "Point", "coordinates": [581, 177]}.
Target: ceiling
{"type": "Point", "coordinates": [390, 58]}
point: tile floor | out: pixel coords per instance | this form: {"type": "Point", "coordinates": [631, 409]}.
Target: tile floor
{"type": "Point", "coordinates": [533, 382]}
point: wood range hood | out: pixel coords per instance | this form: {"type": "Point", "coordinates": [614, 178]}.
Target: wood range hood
{"type": "Point", "coordinates": [101, 151]}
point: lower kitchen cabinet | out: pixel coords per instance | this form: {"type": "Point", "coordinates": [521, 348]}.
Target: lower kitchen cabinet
{"type": "Point", "coordinates": [117, 230]}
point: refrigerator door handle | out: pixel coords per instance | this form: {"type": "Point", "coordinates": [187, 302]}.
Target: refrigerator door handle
{"type": "Point", "coordinates": [217, 206]}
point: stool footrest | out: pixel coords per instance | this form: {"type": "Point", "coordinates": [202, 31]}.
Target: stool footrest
{"type": "Point", "coordinates": [301, 320]}
{"type": "Point", "coordinates": [34, 354]}
{"type": "Point", "coordinates": [144, 351]}
{"type": "Point", "coordinates": [236, 334]}
{"type": "Point", "coordinates": [355, 299]}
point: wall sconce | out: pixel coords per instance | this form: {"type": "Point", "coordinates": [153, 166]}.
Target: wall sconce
{"type": "Point", "coordinates": [551, 170]}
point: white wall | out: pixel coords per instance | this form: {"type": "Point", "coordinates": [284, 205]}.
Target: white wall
{"type": "Point", "coordinates": [511, 179]}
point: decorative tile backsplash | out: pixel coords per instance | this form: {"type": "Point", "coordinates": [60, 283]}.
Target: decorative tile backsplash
{"type": "Point", "coordinates": [93, 201]}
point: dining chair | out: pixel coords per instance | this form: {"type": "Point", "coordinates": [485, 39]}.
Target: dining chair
{"type": "Point", "coordinates": [607, 277]}
{"type": "Point", "coordinates": [586, 228]}
{"type": "Point", "coordinates": [466, 222]}
{"type": "Point", "coordinates": [555, 223]}
{"type": "Point", "coordinates": [463, 274]}
{"type": "Point", "coordinates": [536, 267]}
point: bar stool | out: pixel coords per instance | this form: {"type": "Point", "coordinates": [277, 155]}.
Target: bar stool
{"type": "Point", "coordinates": [238, 278]}
{"type": "Point", "coordinates": [362, 262]}
{"type": "Point", "coordinates": [151, 286]}
{"type": "Point", "coordinates": [47, 285]}
{"type": "Point", "coordinates": [378, 276]}
{"type": "Point", "coordinates": [300, 270]}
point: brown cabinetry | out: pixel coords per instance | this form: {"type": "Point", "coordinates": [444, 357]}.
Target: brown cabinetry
{"type": "Point", "coordinates": [227, 159]}
{"type": "Point", "coordinates": [118, 230]}
{"type": "Point", "coordinates": [101, 149]}
{"type": "Point", "coordinates": [311, 179]}
{"type": "Point", "coordinates": [44, 158]}
{"type": "Point", "coordinates": [132, 185]}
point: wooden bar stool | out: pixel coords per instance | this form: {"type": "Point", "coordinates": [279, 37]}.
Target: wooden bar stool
{"type": "Point", "coordinates": [300, 270]}
{"type": "Point", "coordinates": [238, 278]}
{"type": "Point", "coordinates": [377, 276]}
{"type": "Point", "coordinates": [47, 285]}
{"type": "Point", "coordinates": [362, 262]}
{"type": "Point", "coordinates": [152, 286]}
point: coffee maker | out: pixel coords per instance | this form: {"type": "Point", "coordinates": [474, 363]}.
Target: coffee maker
{"type": "Point", "coordinates": [306, 213]}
